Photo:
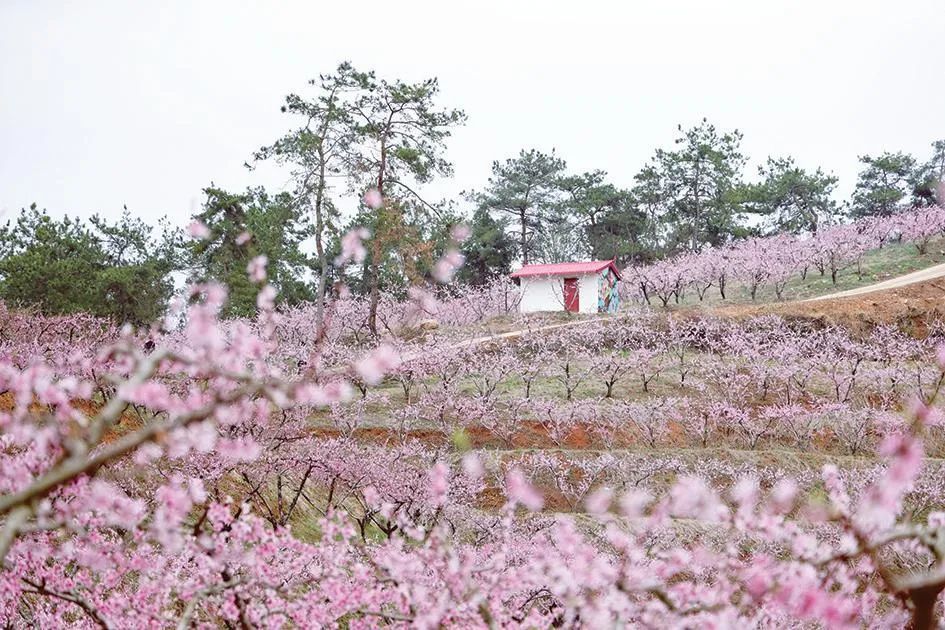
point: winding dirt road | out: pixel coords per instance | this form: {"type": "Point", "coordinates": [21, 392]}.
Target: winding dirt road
{"type": "Point", "coordinates": [929, 273]}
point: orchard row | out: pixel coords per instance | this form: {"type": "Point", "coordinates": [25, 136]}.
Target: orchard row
{"type": "Point", "coordinates": [179, 479]}
{"type": "Point", "coordinates": [775, 261]}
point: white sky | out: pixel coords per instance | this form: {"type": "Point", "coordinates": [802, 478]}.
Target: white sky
{"type": "Point", "coordinates": [111, 103]}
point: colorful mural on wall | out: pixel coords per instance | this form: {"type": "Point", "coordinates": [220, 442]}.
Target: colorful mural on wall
{"type": "Point", "coordinates": [608, 298]}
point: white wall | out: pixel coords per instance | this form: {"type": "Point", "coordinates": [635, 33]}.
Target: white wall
{"type": "Point", "coordinates": [541, 294]}
{"type": "Point", "coordinates": [547, 294]}
{"type": "Point", "coordinates": [588, 290]}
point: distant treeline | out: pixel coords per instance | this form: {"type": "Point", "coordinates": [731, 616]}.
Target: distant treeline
{"type": "Point", "coordinates": [352, 132]}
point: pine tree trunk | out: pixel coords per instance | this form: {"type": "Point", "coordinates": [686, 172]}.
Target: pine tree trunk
{"type": "Point", "coordinates": [522, 238]}
{"type": "Point", "coordinates": [320, 250]}
{"type": "Point", "coordinates": [374, 269]}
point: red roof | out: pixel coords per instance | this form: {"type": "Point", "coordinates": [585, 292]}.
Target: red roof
{"type": "Point", "coordinates": [566, 269]}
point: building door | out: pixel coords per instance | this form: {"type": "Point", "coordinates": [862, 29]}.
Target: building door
{"type": "Point", "coordinates": [571, 295]}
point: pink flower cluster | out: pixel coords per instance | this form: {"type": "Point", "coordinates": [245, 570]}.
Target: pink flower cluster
{"type": "Point", "coordinates": [192, 485]}
{"type": "Point", "coordinates": [773, 261]}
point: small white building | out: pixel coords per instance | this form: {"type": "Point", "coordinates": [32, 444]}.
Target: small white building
{"type": "Point", "coordinates": [578, 287]}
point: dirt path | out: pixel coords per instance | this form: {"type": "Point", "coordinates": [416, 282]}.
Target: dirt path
{"type": "Point", "coordinates": [512, 334]}
{"type": "Point", "coordinates": [929, 273]}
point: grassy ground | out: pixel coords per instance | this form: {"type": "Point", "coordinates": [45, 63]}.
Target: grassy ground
{"type": "Point", "coordinates": [893, 260]}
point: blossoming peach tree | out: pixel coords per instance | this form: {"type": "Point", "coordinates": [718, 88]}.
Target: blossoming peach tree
{"type": "Point", "coordinates": [160, 483]}
{"type": "Point", "coordinates": [773, 261]}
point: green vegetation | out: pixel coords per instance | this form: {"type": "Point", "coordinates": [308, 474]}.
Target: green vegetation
{"type": "Point", "coordinates": [791, 198]}
{"type": "Point", "coordinates": [117, 270]}
{"type": "Point", "coordinates": [243, 226]}
{"type": "Point", "coordinates": [361, 137]}
{"type": "Point", "coordinates": [489, 250]}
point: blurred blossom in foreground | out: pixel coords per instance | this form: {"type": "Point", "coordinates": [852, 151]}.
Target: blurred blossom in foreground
{"type": "Point", "coordinates": [198, 230]}
{"type": "Point", "coordinates": [373, 367]}
{"type": "Point", "coordinates": [257, 268]}
{"type": "Point", "coordinates": [460, 232]}
{"type": "Point", "coordinates": [352, 249]}
{"type": "Point", "coordinates": [373, 199]}
{"type": "Point", "coordinates": [446, 267]}
{"type": "Point", "coordinates": [520, 491]}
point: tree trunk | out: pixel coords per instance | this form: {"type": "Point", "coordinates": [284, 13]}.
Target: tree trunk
{"type": "Point", "coordinates": [923, 601]}
{"type": "Point", "coordinates": [375, 292]}
{"type": "Point", "coordinates": [522, 238]}
{"type": "Point", "coordinates": [374, 269]}
{"type": "Point", "coordinates": [697, 209]}
{"type": "Point", "coordinates": [320, 249]}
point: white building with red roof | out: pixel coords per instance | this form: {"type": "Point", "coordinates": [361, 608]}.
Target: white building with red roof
{"type": "Point", "coordinates": [578, 287]}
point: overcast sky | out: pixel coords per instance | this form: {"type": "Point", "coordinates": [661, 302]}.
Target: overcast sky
{"type": "Point", "coordinates": [111, 103]}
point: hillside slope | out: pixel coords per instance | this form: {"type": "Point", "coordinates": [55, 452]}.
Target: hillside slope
{"type": "Point", "coordinates": [912, 306]}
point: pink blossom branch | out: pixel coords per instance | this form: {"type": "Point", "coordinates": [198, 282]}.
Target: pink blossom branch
{"type": "Point", "coordinates": [186, 618]}
{"type": "Point", "coordinates": [40, 588]}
